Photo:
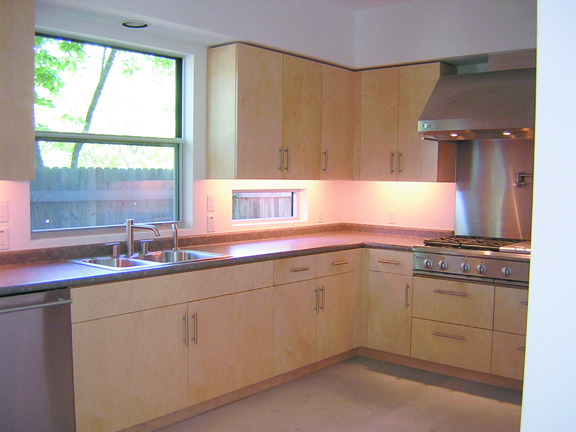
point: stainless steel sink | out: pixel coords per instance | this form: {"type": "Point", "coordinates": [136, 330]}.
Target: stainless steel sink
{"type": "Point", "coordinates": [180, 256]}
{"type": "Point", "coordinates": [119, 263]}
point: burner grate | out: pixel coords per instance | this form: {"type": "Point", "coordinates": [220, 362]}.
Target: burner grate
{"type": "Point", "coordinates": [465, 242]}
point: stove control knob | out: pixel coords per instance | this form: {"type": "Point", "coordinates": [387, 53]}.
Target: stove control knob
{"type": "Point", "coordinates": [465, 267]}
{"type": "Point", "coordinates": [428, 263]}
{"type": "Point", "coordinates": [506, 271]}
{"type": "Point", "coordinates": [481, 269]}
{"type": "Point", "coordinates": [443, 265]}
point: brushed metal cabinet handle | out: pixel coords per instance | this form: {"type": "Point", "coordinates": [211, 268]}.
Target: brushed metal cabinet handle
{"type": "Point", "coordinates": [299, 269]}
{"type": "Point", "coordinates": [317, 307]}
{"type": "Point", "coordinates": [461, 338]}
{"type": "Point", "coordinates": [287, 159]}
{"type": "Point", "coordinates": [339, 263]}
{"type": "Point", "coordinates": [382, 261]}
{"type": "Point", "coordinates": [323, 307]}
{"type": "Point", "coordinates": [325, 153]}
{"type": "Point", "coordinates": [186, 334]}
{"type": "Point", "coordinates": [523, 349]}
{"type": "Point", "coordinates": [391, 162]}
{"type": "Point", "coordinates": [406, 303]}
{"type": "Point", "coordinates": [281, 150]}
{"type": "Point", "coordinates": [399, 157]}
{"type": "Point", "coordinates": [195, 337]}
{"type": "Point", "coordinates": [451, 293]}
{"type": "Point", "coordinates": [524, 303]}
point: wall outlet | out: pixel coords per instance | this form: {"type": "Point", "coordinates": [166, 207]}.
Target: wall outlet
{"type": "Point", "coordinates": [320, 215]}
{"type": "Point", "coordinates": [4, 239]}
{"type": "Point", "coordinates": [211, 223]}
{"type": "Point", "coordinates": [210, 203]}
{"type": "Point", "coordinates": [3, 211]}
{"type": "Point", "coordinates": [392, 217]}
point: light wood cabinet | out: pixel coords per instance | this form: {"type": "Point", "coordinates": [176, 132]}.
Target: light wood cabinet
{"type": "Point", "coordinates": [129, 368]}
{"type": "Point", "coordinates": [244, 111]}
{"type": "Point", "coordinates": [509, 340]}
{"type": "Point", "coordinates": [391, 101]}
{"type": "Point", "coordinates": [390, 301]}
{"type": "Point", "coordinates": [338, 110]}
{"type": "Point", "coordinates": [450, 344]}
{"type": "Point", "coordinates": [313, 318]}
{"type": "Point", "coordinates": [301, 118]}
{"type": "Point", "coordinates": [17, 90]}
{"type": "Point", "coordinates": [231, 343]}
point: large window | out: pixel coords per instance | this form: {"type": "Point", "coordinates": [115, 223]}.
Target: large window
{"type": "Point", "coordinates": [108, 136]}
{"type": "Point", "coordinates": [273, 205]}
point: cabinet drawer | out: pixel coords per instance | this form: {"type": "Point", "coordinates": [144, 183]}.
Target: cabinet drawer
{"type": "Point", "coordinates": [453, 302]}
{"type": "Point", "coordinates": [338, 262]}
{"type": "Point", "coordinates": [508, 355]}
{"type": "Point", "coordinates": [452, 345]}
{"type": "Point", "coordinates": [390, 261]}
{"type": "Point", "coordinates": [295, 269]}
{"type": "Point", "coordinates": [510, 308]}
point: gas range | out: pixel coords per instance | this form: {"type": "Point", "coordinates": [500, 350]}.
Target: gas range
{"type": "Point", "coordinates": [478, 259]}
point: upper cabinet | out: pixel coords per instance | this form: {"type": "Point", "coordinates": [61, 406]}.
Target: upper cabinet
{"type": "Point", "coordinates": [244, 109]}
{"type": "Point", "coordinates": [391, 101]}
{"type": "Point", "coordinates": [17, 90]}
{"type": "Point", "coordinates": [301, 118]}
{"type": "Point", "coordinates": [337, 123]}
{"type": "Point", "coordinates": [274, 116]}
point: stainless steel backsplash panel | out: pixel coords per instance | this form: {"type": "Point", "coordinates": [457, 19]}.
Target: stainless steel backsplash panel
{"type": "Point", "coordinates": [487, 202]}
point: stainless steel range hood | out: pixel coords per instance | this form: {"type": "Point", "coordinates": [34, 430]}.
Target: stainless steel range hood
{"type": "Point", "coordinates": [489, 105]}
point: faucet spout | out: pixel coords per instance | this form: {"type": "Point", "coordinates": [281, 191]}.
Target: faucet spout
{"type": "Point", "coordinates": [175, 235]}
{"type": "Point", "coordinates": [130, 226]}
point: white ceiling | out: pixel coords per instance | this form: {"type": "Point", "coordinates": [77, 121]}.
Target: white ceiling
{"type": "Point", "coordinates": [365, 4]}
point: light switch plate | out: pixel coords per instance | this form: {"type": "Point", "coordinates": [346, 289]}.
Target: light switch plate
{"type": "Point", "coordinates": [3, 211]}
{"type": "Point", "coordinates": [211, 223]}
{"type": "Point", "coordinates": [4, 239]}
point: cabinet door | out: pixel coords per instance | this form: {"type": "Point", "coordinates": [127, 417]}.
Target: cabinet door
{"type": "Point", "coordinates": [335, 320]}
{"type": "Point", "coordinates": [294, 325]}
{"type": "Point", "coordinates": [16, 90]}
{"type": "Point", "coordinates": [389, 312]}
{"type": "Point", "coordinates": [130, 368]}
{"type": "Point", "coordinates": [230, 343]}
{"type": "Point", "coordinates": [508, 355]}
{"type": "Point", "coordinates": [510, 310]}
{"type": "Point", "coordinates": [337, 123]}
{"type": "Point", "coordinates": [420, 160]}
{"type": "Point", "coordinates": [301, 118]}
{"type": "Point", "coordinates": [378, 124]}
{"type": "Point", "coordinates": [259, 113]}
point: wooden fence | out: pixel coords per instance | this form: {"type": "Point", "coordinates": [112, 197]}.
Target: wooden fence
{"type": "Point", "coordinates": [85, 197]}
{"type": "Point", "coordinates": [262, 205]}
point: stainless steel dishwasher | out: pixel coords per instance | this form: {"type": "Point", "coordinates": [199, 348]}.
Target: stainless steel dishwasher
{"type": "Point", "coordinates": [36, 387]}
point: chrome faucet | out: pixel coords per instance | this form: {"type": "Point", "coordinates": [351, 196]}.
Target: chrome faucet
{"type": "Point", "coordinates": [130, 226]}
{"type": "Point", "coordinates": [175, 235]}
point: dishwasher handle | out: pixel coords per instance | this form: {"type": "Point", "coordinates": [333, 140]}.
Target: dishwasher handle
{"type": "Point", "coordinates": [36, 306]}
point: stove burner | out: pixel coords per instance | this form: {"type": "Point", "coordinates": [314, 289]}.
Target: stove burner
{"type": "Point", "coordinates": [464, 242]}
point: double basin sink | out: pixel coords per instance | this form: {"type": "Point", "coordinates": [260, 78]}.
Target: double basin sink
{"type": "Point", "coordinates": [151, 259]}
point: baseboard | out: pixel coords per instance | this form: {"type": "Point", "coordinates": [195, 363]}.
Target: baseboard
{"type": "Point", "coordinates": [452, 371]}
{"type": "Point", "coordinates": [211, 404]}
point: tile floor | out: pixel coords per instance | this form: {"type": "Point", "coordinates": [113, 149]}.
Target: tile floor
{"type": "Point", "coordinates": [364, 395]}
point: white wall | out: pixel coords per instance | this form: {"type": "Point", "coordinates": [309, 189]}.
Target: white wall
{"type": "Point", "coordinates": [423, 30]}
{"type": "Point", "coordinates": [550, 369]}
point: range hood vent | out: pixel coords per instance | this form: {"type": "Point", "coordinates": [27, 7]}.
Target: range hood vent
{"type": "Point", "coordinates": [489, 105]}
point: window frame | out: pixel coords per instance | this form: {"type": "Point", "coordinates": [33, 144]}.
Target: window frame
{"type": "Point", "coordinates": [177, 143]}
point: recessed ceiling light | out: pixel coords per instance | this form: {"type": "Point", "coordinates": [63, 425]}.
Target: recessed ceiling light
{"type": "Point", "coordinates": [135, 24]}
{"type": "Point", "coordinates": [454, 134]}
{"type": "Point", "coordinates": [506, 133]}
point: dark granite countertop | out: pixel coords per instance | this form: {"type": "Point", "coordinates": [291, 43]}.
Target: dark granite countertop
{"type": "Point", "coordinates": [33, 277]}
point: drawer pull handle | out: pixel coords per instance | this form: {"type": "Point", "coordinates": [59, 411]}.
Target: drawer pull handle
{"type": "Point", "coordinates": [381, 261]}
{"type": "Point", "coordinates": [457, 294]}
{"type": "Point", "coordinates": [195, 337]}
{"type": "Point", "coordinates": [461, 338]}
{"type": "Point", "coordinates": [339, 263]}
{"type": "Point", "coordinates": [523, 349]}
{"type": "Point", "coordinates": [186, 335]}
{"type": "Point", "coordinates": [299, 269]}
{"type": "Point", "coordinates": [524, 303]}
{"type": "Point", "coordinates": [316, 293]}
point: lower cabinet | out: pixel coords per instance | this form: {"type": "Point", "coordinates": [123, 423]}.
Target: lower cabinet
{"type": "Point", "coordinates": [313, 320]}
{"type": "Point", "coordinates": [129, 368]}
{"type": "Point", "coordinates": [230, 342]}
